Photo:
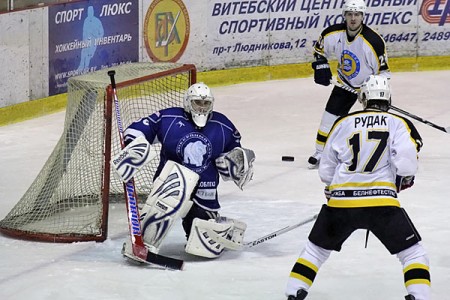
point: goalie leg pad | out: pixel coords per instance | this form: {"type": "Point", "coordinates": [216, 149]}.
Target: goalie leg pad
{"type": "Point", "coordinates": [238, 232]}
{"type": "Point", "coordinates": [234, 238]}
{"type": "Point", "coordinates": [236, 165]}
{"type": "Point", "coordinates": [209, 238]}
{"type": "Point", "coordinates": [197, 212]}
{"type": "Point", "coordinates": [200, 242]}
{"type": "Point", "coordinates": [169, 200]}
{"type": "Point", "coordinates": [132, 158]}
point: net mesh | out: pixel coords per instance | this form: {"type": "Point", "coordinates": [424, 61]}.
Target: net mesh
{"type": "Point", "coordinates": [64, 203]}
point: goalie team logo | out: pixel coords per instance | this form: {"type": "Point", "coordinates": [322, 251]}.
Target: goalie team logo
{"type": "Point", "coordinates": [195, 149]}
{"type": "Point", "coordinates": [166, 30]}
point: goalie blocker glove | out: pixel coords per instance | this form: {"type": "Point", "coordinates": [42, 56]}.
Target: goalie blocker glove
{"type": "Point", "coordinates": [322, 72]}
{"type": "Point", "coordinates": [132, 158]}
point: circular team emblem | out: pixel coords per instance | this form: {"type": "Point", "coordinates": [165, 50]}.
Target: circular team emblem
{"type": "Point", "coordinates": [195, 150]}
{"type": "Point", "coordinates": [350, 64]}
{"type": "Point", "coordinates": [166, 30]}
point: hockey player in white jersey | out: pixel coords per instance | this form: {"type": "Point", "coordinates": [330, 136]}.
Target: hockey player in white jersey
{"type": "Point", "coordinates": [369, 157]}
{"type": "Point", "coordinates": [360, 52]}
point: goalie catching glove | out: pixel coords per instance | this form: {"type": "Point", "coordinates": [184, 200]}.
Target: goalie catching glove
{"type": "Point", "coordinates": [132, 158]}
{"type": "Point", "coordinates": [236, 165]}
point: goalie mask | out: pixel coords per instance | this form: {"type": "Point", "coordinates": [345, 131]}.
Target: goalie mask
{"type": "Point", "coordinates": [198, 102]}
{"type": "Point", "coordinates": [376, 93]}
{"type": "Point", "coordinates": [355, 6]}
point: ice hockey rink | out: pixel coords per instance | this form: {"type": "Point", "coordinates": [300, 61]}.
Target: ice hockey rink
{"type": "Point", "coordinates": [275, 118]}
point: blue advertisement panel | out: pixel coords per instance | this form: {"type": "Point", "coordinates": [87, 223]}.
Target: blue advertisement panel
{"type": "Point", "coordinates": [89, 36]}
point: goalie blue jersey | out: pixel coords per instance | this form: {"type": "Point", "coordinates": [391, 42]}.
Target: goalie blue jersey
{"type": "Point", "coordinates": [193, 147]}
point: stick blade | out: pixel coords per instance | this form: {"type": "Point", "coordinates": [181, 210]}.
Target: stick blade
{"type": "Point", "coordinates": [164, 261]}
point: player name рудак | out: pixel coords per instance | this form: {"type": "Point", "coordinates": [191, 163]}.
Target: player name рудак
{"type": "Point", "coordinates": [370, 121]}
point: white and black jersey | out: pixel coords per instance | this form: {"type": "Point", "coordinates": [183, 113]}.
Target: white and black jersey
{"type": "Point", "coordinates": [358, 57]}
{"type": "Point", "coordinates": [364, 152]}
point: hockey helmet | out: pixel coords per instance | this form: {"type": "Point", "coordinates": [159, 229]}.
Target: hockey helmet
{"type": "Point", "coordinates": [199, 102]}
{"type": "Point", "coordinates": [354, 5]}
{"type": "Point", "coordinates": [376, 91]}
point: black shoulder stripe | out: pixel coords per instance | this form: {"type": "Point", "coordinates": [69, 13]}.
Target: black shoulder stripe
{"type": "Point", "coordinates": [332, 28]}
{"type": "Point", "coordinates": [413, 131]}
{"type": "Point", "coordinates": [374, 40]}
{"type": "Point", "coordinates": [318, 46]}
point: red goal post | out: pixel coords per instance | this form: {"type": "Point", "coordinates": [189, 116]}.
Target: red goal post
{"type": "Point", "coordinates": [69, 199]}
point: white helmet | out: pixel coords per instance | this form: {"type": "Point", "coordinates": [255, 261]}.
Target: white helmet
{"type": "Point", "coordinates": [354, 5]}
{"type": "Point", "coordinates": [376, 92]}
{"type": "Point", "coordinates": [199, 101]}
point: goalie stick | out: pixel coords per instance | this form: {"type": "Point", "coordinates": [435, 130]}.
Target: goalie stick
{"type": "Point", "coordinates": [399, 110]}
{"type": "Point", "coordinates": [233, 246]}
{"type": "Point", "coordinates": [140, 252]}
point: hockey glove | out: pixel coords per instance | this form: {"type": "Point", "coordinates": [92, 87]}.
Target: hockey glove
{"type": "Point", "coordinates": [322, 72]}
{"type": "Point", "coordinates": [404, 182]}
{"type": "Point", "coordinates": [236, 165]}
{"type": "Point", "coordinates": [132, 158]}
{"type": "Point", "coordinates": [327, 192]}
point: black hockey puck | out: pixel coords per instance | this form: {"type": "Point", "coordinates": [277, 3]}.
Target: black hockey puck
{"type": "Point", "coordinates": [287, 158]}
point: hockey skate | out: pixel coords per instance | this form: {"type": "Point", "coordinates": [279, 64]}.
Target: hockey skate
{"type": "Point", "coordinates": [410, 297]}
{"type": "Point", "coordinates": [301, 294]}
{"type": "Point", "coordinates": [314, 160]}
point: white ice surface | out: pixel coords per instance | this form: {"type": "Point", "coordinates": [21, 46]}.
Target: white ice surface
{"type": "Point", "coordinates": [275, 118]}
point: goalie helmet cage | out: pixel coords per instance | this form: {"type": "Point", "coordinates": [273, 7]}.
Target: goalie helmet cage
{"type": "Point", "coordinates": [69, 199]}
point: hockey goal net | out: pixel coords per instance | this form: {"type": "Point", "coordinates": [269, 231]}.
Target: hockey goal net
{"type": "Point", "coordinates": [69, 199]}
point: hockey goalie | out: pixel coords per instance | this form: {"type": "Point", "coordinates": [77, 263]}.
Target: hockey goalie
{"type": "Point", "coordinates": [197, 145]}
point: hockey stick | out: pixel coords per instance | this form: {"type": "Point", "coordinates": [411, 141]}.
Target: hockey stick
{"type": "Point", "coordinates": [444, 129]}
{"type": "Point", "coordinates": [234, 246]}
{"type": "Point", "coordinates": [412, 116]}
{"type": "Point", "coordinates": [140, 252]}
{"type": "Point", "coordinates": [166, 41]}
{"type": "Point", "coordinates": [277, 233]}
{"type": "Point", "coordinates": [342, 86]}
